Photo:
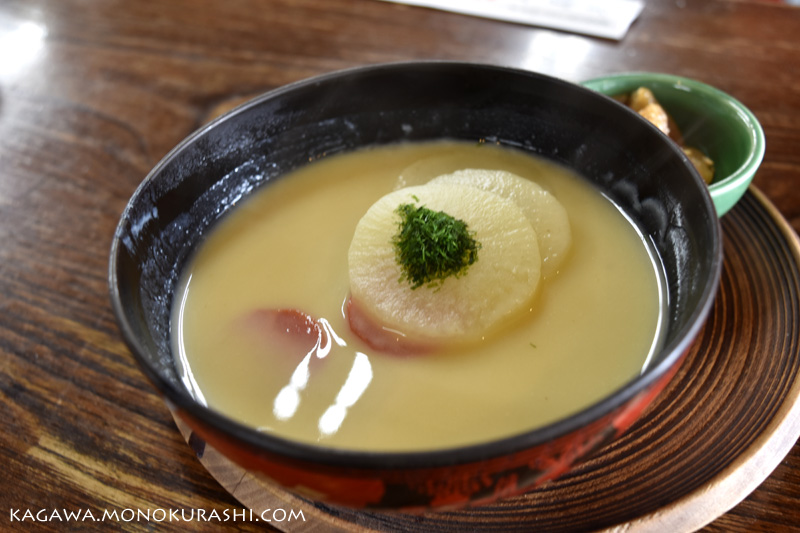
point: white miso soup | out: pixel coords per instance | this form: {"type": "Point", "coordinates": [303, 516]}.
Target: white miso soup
{"type": "Point", "coordinates": [590, 328]}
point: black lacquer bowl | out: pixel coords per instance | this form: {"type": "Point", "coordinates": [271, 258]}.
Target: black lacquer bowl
{"type": "Point", "coordinates": [250, 147]}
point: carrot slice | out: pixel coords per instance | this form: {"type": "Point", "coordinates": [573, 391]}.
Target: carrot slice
{"type": "Point", "coordinates": [290, 329]}
{"type": "Point", "coordinates": [379, 338]}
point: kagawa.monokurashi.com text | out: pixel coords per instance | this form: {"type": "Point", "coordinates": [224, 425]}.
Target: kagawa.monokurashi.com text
{"type": "Point", "coordinates": [22, 515]}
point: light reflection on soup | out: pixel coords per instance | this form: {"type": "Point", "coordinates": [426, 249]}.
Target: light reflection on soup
{"type": "Point", "coordinates": [590, 329]}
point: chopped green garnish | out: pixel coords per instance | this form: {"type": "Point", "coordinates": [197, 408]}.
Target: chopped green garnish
{"type": "Point", "coordinates": [431, 246]}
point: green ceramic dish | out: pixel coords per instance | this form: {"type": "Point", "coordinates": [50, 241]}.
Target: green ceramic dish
{"type": "Point", "coordinates": [710, 120]}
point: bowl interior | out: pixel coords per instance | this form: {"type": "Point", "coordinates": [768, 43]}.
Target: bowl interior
{"type": "Point", "coordinates": [256, 144]}
{"type": "Point", "coordinates": [710, 120]}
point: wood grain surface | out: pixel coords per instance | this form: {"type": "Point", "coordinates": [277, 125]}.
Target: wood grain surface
{"type": "Point", "coordinates": [94, 92]}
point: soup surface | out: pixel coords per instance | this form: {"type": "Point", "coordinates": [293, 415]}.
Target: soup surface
{"type": "Point", "coordinates": [589, 329]}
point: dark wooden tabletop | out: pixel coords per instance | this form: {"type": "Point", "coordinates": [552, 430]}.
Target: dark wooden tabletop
{"type": "Point", "coordinates": [94, 92]}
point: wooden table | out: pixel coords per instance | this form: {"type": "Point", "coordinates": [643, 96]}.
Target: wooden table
{"type": "Point", "coordinates": [94, 92]}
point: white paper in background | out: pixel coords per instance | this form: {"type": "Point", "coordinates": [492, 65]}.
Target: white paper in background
{"type": "Point", "coordinates": [602, 18]}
